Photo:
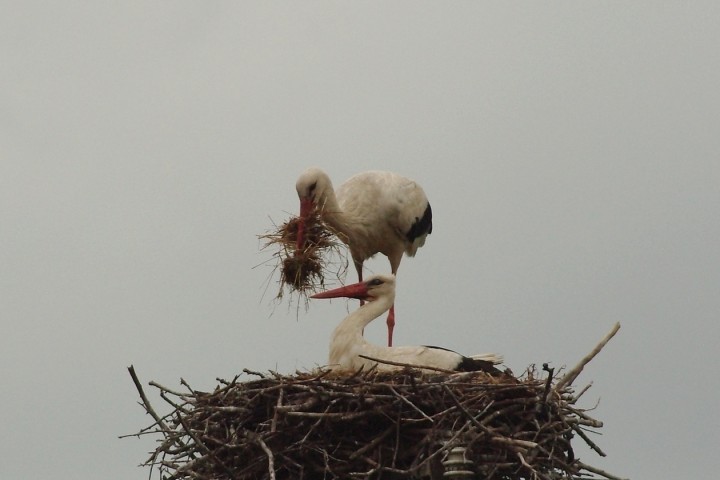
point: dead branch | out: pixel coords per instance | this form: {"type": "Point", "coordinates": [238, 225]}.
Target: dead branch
{"type": "Point", "coordinates": [598, 471]}
{"type": "Point", "coordinates": [145, 402]}
{"type": "Point", "coordinates": [577, 369]}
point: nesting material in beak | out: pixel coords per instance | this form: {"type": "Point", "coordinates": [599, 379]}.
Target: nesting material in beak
{"type": "Point", "coordinates": [307, 250]}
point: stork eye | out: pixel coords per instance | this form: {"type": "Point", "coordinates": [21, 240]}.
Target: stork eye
{"type": "Point", "coordinates": [312, 187]}
{"type": "Point", "coordinates": [375, 282]}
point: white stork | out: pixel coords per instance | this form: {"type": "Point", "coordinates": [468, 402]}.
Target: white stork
{"type": "Point", "coordinates": [374, 212]}
{"type": "Point", "coordinates": [347, 343]}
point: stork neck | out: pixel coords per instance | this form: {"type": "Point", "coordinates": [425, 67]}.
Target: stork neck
{"type": "Point", "coordinates": [361, 317]}
{"type": "Point", "coordinates": [328, 204]}
{"type": "Point", "coordinates": [340, 220]}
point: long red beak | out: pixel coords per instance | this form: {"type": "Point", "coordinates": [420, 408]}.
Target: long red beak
{"type": "Point", "coordinates": [356, 290]}
{"type": "Point", "coordinates": [306, 208]}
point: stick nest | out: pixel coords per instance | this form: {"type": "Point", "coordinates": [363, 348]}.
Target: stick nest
{"type": "Point", "coordinates": [304, 271]}
{"type": "Point", "coordinates": [372, 425]}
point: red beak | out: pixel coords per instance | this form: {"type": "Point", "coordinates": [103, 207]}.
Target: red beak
{"type": "Point", "coordinates": [306, 208]}
{"type": "Point", "coordinates": [356, 290]}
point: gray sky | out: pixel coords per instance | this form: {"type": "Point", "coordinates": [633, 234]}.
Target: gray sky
{"type": "Point", "coordinates": [570, 152]}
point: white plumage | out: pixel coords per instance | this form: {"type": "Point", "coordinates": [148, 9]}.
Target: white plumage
{"type": "Point", "coordinates": [347, 343]}
{"type": "Point", "coordinates": [374, 212]}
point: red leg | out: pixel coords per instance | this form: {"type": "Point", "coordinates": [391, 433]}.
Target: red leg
{"type": "Point", "coordinates": [391, 324]}
{"type": "Point", "coordinates": [394, 264]}
{"type": "Point", "coordinates": [359, 268]}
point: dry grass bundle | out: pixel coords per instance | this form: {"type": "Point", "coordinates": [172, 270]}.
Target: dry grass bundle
{"type": "Point", "coordinates": [304, 271]}
{"type": "Point", "coordinates": [372, 425]}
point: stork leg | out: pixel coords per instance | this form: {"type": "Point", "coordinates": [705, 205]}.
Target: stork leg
{"type": "Point", "coordinates": [394, 264]}
{"type": "Point", "coordinates": [391, 324]}
{"type": "Point", "coordinates": [358, 267]}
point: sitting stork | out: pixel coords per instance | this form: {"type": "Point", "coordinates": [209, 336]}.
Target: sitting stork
{"type": "Point", "coordinates": [347, 343]}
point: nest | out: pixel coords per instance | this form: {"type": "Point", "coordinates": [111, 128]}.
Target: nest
{"type": "Point", "coordinates": [372, 425]}
{"type": "Point", "coordinates": [304, 271]}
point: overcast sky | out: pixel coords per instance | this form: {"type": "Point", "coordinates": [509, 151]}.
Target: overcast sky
{"type": "Point", "coordinates": [570, 152]}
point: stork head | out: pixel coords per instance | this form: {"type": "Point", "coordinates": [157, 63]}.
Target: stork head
{"type": "Point", "coordinates": [312, 189]}
{"type": "Point", "coordinates": [375, 287]}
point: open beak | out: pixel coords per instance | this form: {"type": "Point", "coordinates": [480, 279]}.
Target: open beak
{"type": "Point", "coordinates": [306, 208]}
{"type": "Point", "coordinates": [356, 290]}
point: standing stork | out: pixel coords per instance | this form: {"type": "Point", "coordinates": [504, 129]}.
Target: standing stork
{"type": "Point", "coordinates": [347, 343]}
{"type": "Point", "coordinates": [374, 212]}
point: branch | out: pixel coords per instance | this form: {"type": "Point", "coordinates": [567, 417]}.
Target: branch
{"type": "Point", "coordinates": [590, 443]}
{"type": "Point", "coordinates": [372, 444]}
{"type": "Point", "coordinates": [464, 410]}
{"type": "Point", "coordinates": [597, 471]}
{"type": "Point", "coordinates": [548, 382]}
{"type": "Point", "coordinates": [577, 369]}
{"type": "Point", "coordinates": [525, 464]}
{"type": "Point", "coordinates": [145, 401]}
{"type": "Point", "coordinates": [412, 405]}
{"type": "Point", "coordinates": [153, 383]}
{"type": "Point", "coordinates": [407, 365]}
{"type": "Point", "coordinates": [268, 452]}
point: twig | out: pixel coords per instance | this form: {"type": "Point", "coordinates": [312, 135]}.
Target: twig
{"type": "Point", "coordinates": [309, 403]}
{"type": "Point", "coordinates": [406, 365]}
{"type": "Point", "coordinates": [577, 369]}
{"type": "Point", "coordinates": [271, 457]}
{"type": "Point", "coordinates": [583, 418]}
{"type": "Point", "coordinates": [598, 471]}
{"type": "Point", "coordinates": [252, 372]}
{"type": "Point", "coordinates": [524, 444]}
{"type": "Point", "coordinates": [577, 396]}
{"type": "Point", "coordinates": [590, 443]}
{"type": "Point", "coordinates": [273, 424]}
{"type": "Point", "coordinates": [372, 444]}
{"type": "Point", "coordinates": [470, 417]}
{"type": "Point", "coordinates": [530, 467]}
{"type": "Point", "coordinates": [192, 435]}
{"type": "Point", "coordinates": [550, 372]}
{"type": "Point", "coordinates": [412, 405]}
{"type": "Point", "coordinates": [332, 415]}
{"type": "Point", "coordinates": [146, 403]}
{"type": "Point", "coordinates": [153, 383]}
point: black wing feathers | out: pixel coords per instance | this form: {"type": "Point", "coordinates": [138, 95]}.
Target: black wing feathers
{"type": "Point", "coordinates": [421, 226]}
